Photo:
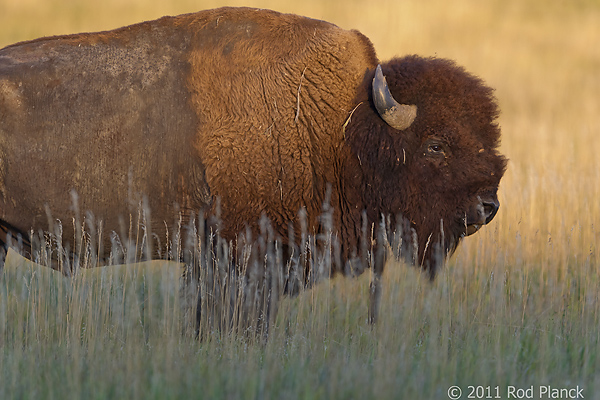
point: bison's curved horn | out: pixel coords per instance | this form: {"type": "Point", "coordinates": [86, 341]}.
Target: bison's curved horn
{"type": "Point", "coordinates": [396, 115]}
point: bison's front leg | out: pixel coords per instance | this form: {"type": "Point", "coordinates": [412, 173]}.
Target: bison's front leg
{"type": "Point", "coordinates": [374, 297]}
{"type": "Point", "coordinates": [198, 315]}
{"type": "Point", "coordinates": [379, 250]}
{"type": "Point", "coordinates": [2, 256]}
{"type": "Point", "coordinates": [375, 286]}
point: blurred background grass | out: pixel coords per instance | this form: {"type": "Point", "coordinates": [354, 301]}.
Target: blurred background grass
{"type": "Point", "coordinates": [519, 304]}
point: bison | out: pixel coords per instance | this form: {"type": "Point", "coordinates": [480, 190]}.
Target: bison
{"type": "Point", "coordinates": [245, 114]}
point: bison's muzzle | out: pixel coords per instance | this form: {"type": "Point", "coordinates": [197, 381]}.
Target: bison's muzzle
{"type": "Point", "coordinates": [481, 213]}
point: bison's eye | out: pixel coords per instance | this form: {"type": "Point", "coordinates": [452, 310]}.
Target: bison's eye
{"type": "Point", "coordinates": [435, 149]}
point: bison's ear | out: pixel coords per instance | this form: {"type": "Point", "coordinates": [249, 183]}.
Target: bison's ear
{"type": "Point", "coordinates": [398, 116]}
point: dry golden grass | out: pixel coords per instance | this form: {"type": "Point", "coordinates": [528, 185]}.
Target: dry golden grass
{"type": "Point", "coordinates": [519, 304]}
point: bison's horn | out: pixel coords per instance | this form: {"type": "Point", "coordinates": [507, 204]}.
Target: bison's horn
{"type": "Point", "coordinates": [396, 115]}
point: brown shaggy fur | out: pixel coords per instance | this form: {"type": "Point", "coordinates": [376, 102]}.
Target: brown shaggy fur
{"type": "Point", "coordinates": [265, 111]}
{"type": "Point", "coordinates": [455, 110]}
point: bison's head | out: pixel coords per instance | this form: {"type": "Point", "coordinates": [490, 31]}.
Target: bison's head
{"type": "Point", "coordinates": [428, 147]}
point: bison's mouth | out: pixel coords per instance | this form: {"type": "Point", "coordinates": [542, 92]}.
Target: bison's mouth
{"type": "Point", "coordinates": [471, 229]}
{"type": "Point", "coordinates": [435, 247]}
{"type": "Point", "coordinates": [480, 213]}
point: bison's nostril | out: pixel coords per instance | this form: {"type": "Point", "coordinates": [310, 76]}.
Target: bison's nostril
{"type": "Point", "coordinates": [490, 208]}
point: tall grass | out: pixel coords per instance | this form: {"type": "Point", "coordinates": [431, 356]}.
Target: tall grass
{"type": "Point", "coordinates": [519, 303]}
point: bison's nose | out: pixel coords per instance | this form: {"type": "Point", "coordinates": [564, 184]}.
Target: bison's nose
{"type": "Point", "coordinates": [490, 208]}
{"type": "Point", "coordinates": [481, 213]}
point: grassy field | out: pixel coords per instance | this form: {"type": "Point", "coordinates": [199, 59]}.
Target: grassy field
{"type": "Point", "coordinates": [518, 305]}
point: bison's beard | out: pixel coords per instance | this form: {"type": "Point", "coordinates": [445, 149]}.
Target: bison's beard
{"type": "Point", "coordinates": [429, 245]}
{"type": "Point", "coordinates": [436, 251]}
